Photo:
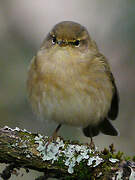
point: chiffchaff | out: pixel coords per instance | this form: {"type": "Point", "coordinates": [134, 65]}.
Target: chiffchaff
{"type": "Point", "coordinates": [70, 82]}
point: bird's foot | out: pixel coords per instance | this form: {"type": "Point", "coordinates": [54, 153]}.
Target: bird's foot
{"type": "Point", "coordinates": [92, 145]}
{"type": "Point", "coordinates": [53, 137]}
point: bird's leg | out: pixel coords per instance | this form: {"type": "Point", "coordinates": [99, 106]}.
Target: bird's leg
{"type": "Point", "coordinates": [54, 135]}
{"type": "Point", "coordinates": [92, 145]}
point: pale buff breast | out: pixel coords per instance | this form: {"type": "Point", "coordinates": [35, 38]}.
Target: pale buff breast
{"type": "Point", "coordinates": [76, 93]}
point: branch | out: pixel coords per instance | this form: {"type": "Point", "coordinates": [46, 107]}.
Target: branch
{"type": "Point", "coordinates": [60, 159]}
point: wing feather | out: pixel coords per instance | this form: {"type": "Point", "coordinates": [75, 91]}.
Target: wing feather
{"type": "Point", "coordinates": [114, 109]}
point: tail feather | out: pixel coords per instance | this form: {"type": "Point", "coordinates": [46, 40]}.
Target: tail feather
{"type": "Point", "coordinates": [107, 128]}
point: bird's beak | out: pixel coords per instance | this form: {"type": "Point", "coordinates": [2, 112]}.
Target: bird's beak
{"type": "Point", "coordinates": [62, 43]}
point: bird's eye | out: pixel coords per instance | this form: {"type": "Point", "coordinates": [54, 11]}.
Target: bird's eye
{"type": "Point", "coordinates": [77, 43]}
{"type": "Point", "coordinates": [54, 40]}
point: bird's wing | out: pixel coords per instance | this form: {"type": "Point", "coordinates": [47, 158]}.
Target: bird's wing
{"type": "Point", "coordinates": [114, 109]}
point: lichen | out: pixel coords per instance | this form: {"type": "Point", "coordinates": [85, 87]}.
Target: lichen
{"type": "Point", "coordinates": [97, 160]}
{"type": "Point", "coordinates": [113, 160]}
{"type": "Point", "coordinates": [73, 154]}
{"type": "Point", "coordinates": [15, 129]}
{"type": "Point", "coordinates": [77, 159]}
{"type": "Point", "coordinates": [132, 175]}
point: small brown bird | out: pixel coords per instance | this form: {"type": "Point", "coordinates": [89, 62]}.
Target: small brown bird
{"type": "Point", "coordinates": [70, 82]}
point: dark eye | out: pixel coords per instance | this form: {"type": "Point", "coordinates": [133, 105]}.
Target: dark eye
{"type": "Point", "coordinates": [54, 40]}
{"type": "Point", "coordinates": [77, 43]}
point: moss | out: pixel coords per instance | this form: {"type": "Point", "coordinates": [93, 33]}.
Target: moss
{"type": "Point", "coordinates": [60, 162]}
{"type": "Point", "coordinates": [127, 158]}
{"type": "Point", "coordinates": [83, 171]}
{"type": "Point", "coordinates": [133, 158]}
{"type": "Point", "coordinates": [73, 160]}
{"type": "Point", "coordinates": [119, 155]}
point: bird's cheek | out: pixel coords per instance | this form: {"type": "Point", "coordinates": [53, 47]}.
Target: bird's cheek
{"type": "Point", "coordinates": [83, 46]}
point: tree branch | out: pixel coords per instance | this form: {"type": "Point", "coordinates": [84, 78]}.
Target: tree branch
{"type": "Point", "coordinates": [60, 159]}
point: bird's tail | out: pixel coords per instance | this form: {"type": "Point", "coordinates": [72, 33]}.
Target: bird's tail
{"type": "Point", "coordinates": [105, 127]}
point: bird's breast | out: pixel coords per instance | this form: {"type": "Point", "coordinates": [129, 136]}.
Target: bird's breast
{"type": "Point", "coordinates": [68, 92]}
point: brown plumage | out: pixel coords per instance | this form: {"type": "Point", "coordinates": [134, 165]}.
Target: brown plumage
{"type": "Point", "coordinates": [70, 81]}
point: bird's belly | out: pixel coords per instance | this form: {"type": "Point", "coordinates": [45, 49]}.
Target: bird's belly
{"type": "Point", "coordinates": [70, 105]}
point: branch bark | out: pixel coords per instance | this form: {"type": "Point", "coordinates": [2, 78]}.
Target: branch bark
{"type": "Point", "coordinates": [60, 159]}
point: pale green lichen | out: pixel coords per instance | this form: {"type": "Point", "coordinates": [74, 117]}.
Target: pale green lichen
{"type": "Point", "coordinates": [75, 157]}
{"type": "Point", "coordinates": [96, 159]}
{"type": "Point", "coordinates": [119, 175]}
{"type": "Point", "coordinates": [28, 156]}
{"type": "Point", "coordinates": [73, 154]}
{"type": "Point", "coordinates": [16, 129]}
{"type": "Point", "coordinates": [132, 175]}
{"type": "Point", "coordinates": [113, 160]}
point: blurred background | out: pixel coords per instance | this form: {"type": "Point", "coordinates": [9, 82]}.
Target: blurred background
{"type": "Point", "coordinates": [24, 25]}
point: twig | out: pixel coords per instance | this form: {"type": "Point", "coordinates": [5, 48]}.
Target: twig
{"type": "Point", "coordinates": [62, 159]}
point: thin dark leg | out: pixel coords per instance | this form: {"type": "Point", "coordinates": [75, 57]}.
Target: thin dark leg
{"type": "Point", "coordinates": [57, 128]}
{"type": "Point", "coordinates": [54, 135]}
{"type": "Point", "coordinates": [92, 145]}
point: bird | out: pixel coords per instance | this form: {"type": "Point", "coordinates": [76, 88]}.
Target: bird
{"type": "Point", "coordinates": [70, 82]}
